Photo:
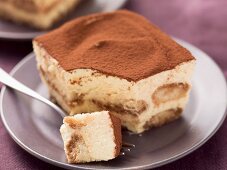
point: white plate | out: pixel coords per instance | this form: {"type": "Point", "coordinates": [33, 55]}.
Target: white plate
{"type": "Point", "coordinates": [34, 126]}
{"type": "Point", "coordinates": [9, 30]}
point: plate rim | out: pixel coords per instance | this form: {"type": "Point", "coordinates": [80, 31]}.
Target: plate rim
{"type": "Point", "coordinates": [158, 164]}
{"type": "Point", "coordinates": [19, 36]}
{"type": "Point", "coordinates": [29, 36]}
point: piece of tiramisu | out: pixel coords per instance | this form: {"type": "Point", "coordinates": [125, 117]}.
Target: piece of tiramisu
{"type": "Point", "coordinates": [119, 62]}
{"type": "Point", "coordinates": [40, 14]}
{"type": "Point", "coordinates": [91, 137]}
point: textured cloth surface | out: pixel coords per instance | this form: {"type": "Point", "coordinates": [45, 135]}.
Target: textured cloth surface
{"type": "Point", "coordinates": [200, 22]}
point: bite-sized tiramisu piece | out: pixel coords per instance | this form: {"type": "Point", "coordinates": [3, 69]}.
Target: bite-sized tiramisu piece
{"type": "Point", "coordinates": [119, 62]}
{"type": "Point", "coordinates": [91, 137]}
{"type": "Point", "coordinates": [41, 14]}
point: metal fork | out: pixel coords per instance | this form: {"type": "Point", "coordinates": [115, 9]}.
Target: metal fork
{"type": "Point", "coordinates": [9, 81]}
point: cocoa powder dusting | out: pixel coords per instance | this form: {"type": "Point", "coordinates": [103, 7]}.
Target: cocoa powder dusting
{"type": "Point", "coordinates": [120, 43]}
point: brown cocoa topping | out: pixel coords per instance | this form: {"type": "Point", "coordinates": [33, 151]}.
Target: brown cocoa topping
{"type": "Point", "coordinates": [121, 43]}
{"type": "Point", "coordinates": [116, 122]}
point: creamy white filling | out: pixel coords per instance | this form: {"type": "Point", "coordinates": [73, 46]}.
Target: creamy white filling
{"type": "Point", "coordinates": [98, 135]}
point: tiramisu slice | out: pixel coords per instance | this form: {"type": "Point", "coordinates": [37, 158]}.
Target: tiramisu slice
{"type": "Point", "coordinates": [41, 14]}
{"type": "Point", "coordinates": [119, 62]}
{"type": "Point", "coordinates": [91, 137]}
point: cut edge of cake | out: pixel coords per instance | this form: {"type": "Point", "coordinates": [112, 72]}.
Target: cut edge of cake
{"type": "Point", "coordinates": [91, 137]}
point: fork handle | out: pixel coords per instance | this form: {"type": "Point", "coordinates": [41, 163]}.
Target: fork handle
{"type": "Point", "coordinates": [9, 81]}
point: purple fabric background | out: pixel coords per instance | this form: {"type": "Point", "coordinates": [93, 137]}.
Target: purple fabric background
{"type": "Point", "coordinates": [200, 22]}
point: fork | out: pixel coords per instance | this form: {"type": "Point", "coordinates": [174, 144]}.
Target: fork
{"type": "Point", "coordinates": [9, 81]}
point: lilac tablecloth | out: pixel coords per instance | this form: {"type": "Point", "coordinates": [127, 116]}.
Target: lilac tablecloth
{"type": "Point", "coordinates": [200, 22]}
